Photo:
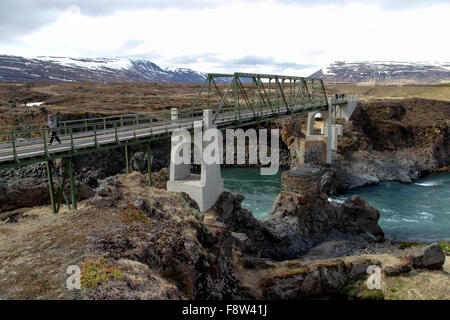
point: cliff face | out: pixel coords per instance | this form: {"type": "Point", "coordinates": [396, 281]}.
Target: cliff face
{"type": "Point", "coordinates": [389, 140]}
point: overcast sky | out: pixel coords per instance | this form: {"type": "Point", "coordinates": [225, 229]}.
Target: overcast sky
{"type": "Point", "coordinates": [276, 36]}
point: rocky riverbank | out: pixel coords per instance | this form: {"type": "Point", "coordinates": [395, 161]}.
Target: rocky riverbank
{"type": "Point", "coordinates": [386, 140]}
{"type": "Point", "coordinates": [136, 242]}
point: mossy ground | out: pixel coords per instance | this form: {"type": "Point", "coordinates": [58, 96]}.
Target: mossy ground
{"type": "Point", "coordinates": [358, 290]}
{"type": "Point", "coordinates": [414, 285]}
{"type": "Point", "coordinates": [445, 245]}
{"type": "Point", "coordinates": [95, 273]}
{"type": "Point", "coordinates": [135, 217]}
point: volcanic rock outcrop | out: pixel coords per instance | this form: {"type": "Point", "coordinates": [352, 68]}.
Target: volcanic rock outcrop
{"type": "Point", "coordinates": [298, 220]}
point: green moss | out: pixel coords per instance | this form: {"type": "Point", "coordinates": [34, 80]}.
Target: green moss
{"type": "Point", "coordinates": [404, 245]}
{"type": "Point", "coordinates": [95, 273]}
{"type": "Point", "coordinates": [135, 217]}
{"type": "Point", "coordinates": [445, 246]}
{"type": "Point", "coordinates": [193, 211]}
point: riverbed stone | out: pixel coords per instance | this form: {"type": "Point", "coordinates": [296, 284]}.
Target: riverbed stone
{"type": "Point", "coordinates": [428, 257]}
{"type": "Point", "coordinates": [301, 179]}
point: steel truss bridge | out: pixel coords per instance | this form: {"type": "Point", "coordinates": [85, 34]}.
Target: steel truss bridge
{"type": "Point", "coordinates": [247, 100]}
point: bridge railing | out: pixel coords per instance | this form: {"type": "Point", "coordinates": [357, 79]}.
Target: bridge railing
{"type": "Point", "coordinates": [75, 123]}
{"type": "Point", "coordinates": [16, 140]}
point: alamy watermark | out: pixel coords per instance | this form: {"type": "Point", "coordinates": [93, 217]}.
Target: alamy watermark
{"type": "Point", "coordinates": [208, 148]}
{"type": "Point", "coordinates": [74, 279]}
{"type": "Point", "coordinates": [374, 280]}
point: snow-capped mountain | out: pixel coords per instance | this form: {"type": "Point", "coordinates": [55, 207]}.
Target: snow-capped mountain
{"type": "Point", "coordinates": [385, 72]}
{"type": "Point", "coordinates": [14, 68]}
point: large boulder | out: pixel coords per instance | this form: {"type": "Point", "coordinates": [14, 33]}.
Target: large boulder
{"type": "Point", "coordinates": [428, 257]}
{"type": "Point", "coordinates": [248, 233]}
{"type": "Point", "coordinates": [23, 193]}
{"type": "Point", "coordinates": [106, 194]}
{"type": "Point", "coordinates": [356, 216]}
{"type": "Point", "coordinates": [298, 279]}
{"type": "Point", "coordinates": [297, 223]}
{"type": "Point", "coordinates": [32, 192]}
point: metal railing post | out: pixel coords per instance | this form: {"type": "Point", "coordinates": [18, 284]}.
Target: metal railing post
{"type": "Point", "coordinates": [13, 142]}
{"type": "Point", "coordinates": [72, 145]}
{"type": "Point", "coordinates": [95, 136]}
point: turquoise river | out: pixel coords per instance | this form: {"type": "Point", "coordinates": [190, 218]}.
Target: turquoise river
{"type": "Point", "coordinates": [409, 212]}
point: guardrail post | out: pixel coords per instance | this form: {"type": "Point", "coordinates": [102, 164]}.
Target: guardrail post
{"type": "Point", "coordinates": [174, 114]}
{"type": "Point", "coordinates": [330, 114]}
{"type": "Point", "coordinates": [13, 142]}
{"type": "Point", "coordinates": [95, 136]}
{"type": "Point", "coordinates": [72, 145]}
{"type": "Point", "coordinates": [116, 136]}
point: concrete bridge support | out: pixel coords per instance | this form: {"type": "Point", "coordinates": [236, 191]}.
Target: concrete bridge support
{"type": "Point", "coordinates": [205, 188]}
{"type": "Point", "coordinates": [327, 141]}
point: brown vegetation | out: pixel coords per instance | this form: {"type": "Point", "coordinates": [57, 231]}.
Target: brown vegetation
{"type": "Point", "coordinates": [145, 97]}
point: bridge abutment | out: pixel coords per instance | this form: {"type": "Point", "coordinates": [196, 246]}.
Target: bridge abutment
{"type": "Point", "coordinates": [317, 149]}
{"type": "Point", "coordinates": [205, 188]}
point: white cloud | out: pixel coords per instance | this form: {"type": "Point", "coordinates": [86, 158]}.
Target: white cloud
{"type": "Point", "coordinates": [281, 34]}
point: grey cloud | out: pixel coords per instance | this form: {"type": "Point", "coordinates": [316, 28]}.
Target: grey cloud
{"type": "Point", "coordinates": [122, 51]}
{"type": "Point", "coordinates": [130, 44]}
{"type": "Point", "coordinates": [19, 17]}
{"type": "Point", "coordinates": [385, 4]}
{"type": "Point", "coordinates": [237, 64]}
{"type": "Point", "coordinates": [188, 59]}
{"type": "Point", "coordinates": [253, 61]}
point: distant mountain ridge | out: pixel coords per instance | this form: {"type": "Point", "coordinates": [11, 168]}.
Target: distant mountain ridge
{"type": "Point", "coordinates": [65, 69]}
{"type": "Point", "coordinates": [385, 72]}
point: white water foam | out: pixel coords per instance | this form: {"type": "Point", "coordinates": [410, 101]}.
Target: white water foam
{"type": "Point", "coordinates": [427, 184]}
{"type": "Point", "coordinates": [336, 200]}
{"type": "Point", "coordinates": [426, 215]}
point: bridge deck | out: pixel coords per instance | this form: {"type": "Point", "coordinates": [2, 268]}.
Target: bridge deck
{"type": "Point", "coordinates": [34, 150]}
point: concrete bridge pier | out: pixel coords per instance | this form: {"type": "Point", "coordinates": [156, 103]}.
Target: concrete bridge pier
{"type": "Point", "coordinates": [318, 148]}
{"type": "Point", "coordinates": [205, 188]}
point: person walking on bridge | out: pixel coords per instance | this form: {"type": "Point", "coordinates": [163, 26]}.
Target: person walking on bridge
{"type": "Point", "coordinates": [52, 125]}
